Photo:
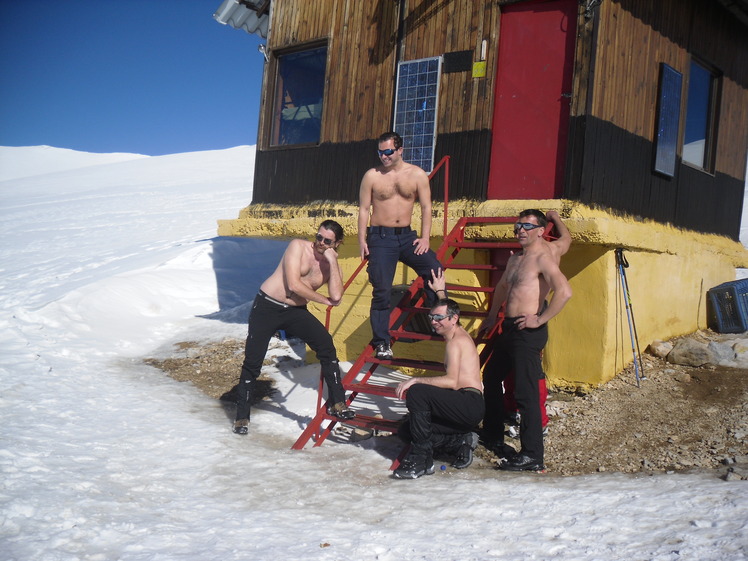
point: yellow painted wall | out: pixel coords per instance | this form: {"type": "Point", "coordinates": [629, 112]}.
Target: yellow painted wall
{"type": "Point", "coordinates": [670, 272]}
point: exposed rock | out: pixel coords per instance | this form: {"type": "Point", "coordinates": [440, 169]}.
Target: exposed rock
{"type": "Point", "coordinates": [689, 352]}
{"type": "Point", "coordinates": [660, 349]}
{"type": "Point", "coordinates": [724, 355]}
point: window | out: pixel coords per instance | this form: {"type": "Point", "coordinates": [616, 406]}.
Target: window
{"type": "Point", "coordinates": [299, 89]}
{"type": "Point", "coordinates": [701, 113]}
{"type": "Point", "coordinates": [668, 119]}
{"type": "Point", "coordinates": [415, 109]}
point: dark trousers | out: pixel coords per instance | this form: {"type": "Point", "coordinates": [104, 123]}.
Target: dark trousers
{"type": "Point", "coordinates": [435, 414]}
{"type": "Point", "coordinates": [265, 319]}
{"type": "Point", "coordinates": [518, 351]}
{"type": "Point", "coordinates": [386, 249]}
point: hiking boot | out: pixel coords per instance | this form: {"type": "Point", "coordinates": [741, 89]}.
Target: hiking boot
{"type": "Point", "coordinates": [341, 411]}
{"type": "Point", "coordinates": [241, 426]}
{"type": "Point", "coordinates": [464, 455]}
{"type": "Point", "coordinates": [497, 446]}
{"type": "Point", "coordinates": [383, 351]}
{"type": "Point", "coordinates": [413, 467]}
{"type": "Point", "coordinates": [522, 462]}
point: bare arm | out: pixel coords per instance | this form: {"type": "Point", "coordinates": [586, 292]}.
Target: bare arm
{"type": "Point", "coordinates": [438, 283]}
{"type": "Point", "coordinates": [292, 259]}
{"type": "Point", "coordinates": [561, 245]}
{"type": "Point", "coordinates": [561, 294]}
{"type": "Point", "coordinates": [424, 199]}
{"type": "Point", "coordinates": [335, 283]}
{"type": "Point", "coordinates": [452, 360]}
{"type": "Point", "coordinates": [364, 207]}
{"type": "Point", "coordinates": [500, 293]}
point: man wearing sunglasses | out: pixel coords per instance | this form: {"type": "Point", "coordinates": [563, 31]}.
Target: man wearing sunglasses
{"type": "Point", "coordinates": [387, 196]}
{"type": "Point", "coordinates": [281, 305]}
{"type": "Point", "coordinates": [443, 411]}
{"type": "Point", "coordinates": [530, 276]}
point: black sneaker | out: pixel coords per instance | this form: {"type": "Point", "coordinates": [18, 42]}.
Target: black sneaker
{"type": "Point", "coordinates": [341, 411]}
{"type": "Point", "coordinates": [522, 462]}
{"type": "Point", "coordinates": [413, 467]}
{"type": "Point", "coordinates": [383, 351]}
{"type": "Point", "coordinates": [502, 450]}
{"type": "Point", "coordinates": [465, 453]}
{"type": "Point", "coordinates": [241, 426]}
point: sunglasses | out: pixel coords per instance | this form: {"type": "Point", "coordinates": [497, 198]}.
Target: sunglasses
{"type": "Point", "coordinates": [439, 317]}
{"type": "Point", "coordinates": [525, 226]}
{"type": "Point", "coordinates": [324, 240]}
{"type": "Point", "coordinates": [387, 152]}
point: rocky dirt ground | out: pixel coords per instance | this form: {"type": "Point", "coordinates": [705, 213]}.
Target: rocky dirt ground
{"type": "Point", "coordinates": [680, 418]}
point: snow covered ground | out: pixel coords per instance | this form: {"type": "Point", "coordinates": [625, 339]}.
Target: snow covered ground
{"type": "Point", "coordinates": [109, 258]}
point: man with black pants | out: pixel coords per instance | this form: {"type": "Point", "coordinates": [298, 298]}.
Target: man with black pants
{"type": "Point", "coordinates": [443, 411]}
{"type": "Point", "coordinates": [387, 196]}
{"type": "Point", "coordinates": [281, 305]}
{"type": "Point", "coordinates": [530, 276]}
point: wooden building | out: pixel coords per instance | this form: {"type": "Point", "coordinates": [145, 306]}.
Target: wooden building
{"type": "Point", "coordinates": [637, 106]}
{"type": "Point", "coordinates": [629, 117]}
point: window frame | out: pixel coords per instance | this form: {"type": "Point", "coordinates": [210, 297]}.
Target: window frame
{"type": "Point", "coordinates": [413, 152]}
{"type": "Point", "coordinates": [711, 108]}
{"type": "Point", "coordinates": [273, 132]}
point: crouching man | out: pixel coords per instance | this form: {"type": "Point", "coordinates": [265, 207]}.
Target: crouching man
{"type": "Point", "coordinates": [443, 411]}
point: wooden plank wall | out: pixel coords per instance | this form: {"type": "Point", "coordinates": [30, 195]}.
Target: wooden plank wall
{"type": "Point", "coordinates": [637, 35]}
{"type": "Point", "coordinates": [633, 38]}
{"type": "Point", "coordinates": [362, 49]}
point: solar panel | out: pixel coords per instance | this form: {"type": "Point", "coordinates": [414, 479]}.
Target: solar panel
{"type": "Point", "coordinates": [416, 102]}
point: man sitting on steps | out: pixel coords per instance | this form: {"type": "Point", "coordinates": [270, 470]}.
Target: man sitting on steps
{"type": "Point", "coordinates": [443, 411]}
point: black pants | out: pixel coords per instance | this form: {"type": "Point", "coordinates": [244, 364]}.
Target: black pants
{"type": "Point", "coordinates": [388, 247]}
{"type": "Point", "coordinates": [437, 413]}
{"type": "Point", "coordinates": [517, 350]}
{"type": "Point", "coordinates": [265, 319]}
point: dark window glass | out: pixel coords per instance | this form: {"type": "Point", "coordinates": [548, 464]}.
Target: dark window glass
{"type": "Point", "coordinates": [700, 117]}
{"type": "Point", "coordinates": [299, 89]}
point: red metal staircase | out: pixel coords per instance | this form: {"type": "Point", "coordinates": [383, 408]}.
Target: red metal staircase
{"type": "Point", "coordinates": [357, 380]}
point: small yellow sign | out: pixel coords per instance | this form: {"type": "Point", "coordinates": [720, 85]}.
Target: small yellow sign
{"type": "Point", "coordinates": [479, 69]}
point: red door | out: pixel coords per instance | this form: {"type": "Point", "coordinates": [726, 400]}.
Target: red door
{"type": "Point", "coordinates": [531, 111]}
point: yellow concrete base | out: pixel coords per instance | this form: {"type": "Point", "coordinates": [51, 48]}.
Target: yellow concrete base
{"type": "Point", "coordinates": [669, 274]}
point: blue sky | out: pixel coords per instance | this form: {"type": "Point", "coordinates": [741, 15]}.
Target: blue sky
{"type": "Point", "coordinates": [144, 76]}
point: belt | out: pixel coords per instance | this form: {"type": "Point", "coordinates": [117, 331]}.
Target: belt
{"type": "Point", "coordinates": [273, 300]}
{"type": "Point", "coordinates": [476, 390]}
{"type": "Point", "coordinates": [387, 230]}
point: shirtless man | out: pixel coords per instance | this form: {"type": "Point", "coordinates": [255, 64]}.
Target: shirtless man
{"type": "Point", "coordinates": [281, 305]}
{"type": "Point", "coordinates": [387, 196]}
{"type": "Point", "coordinates": [558, 246]}
{"type": "Point", "coordinates": [529, 277]}
{"type": "Point", "coordinates": [444, 411]}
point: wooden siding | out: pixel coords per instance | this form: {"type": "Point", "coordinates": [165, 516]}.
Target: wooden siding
{"type": "Point", "coordinates": [362, 40]}
{"type": "Point", "coordinates": [635, 36]}
{"type": "Point", "coordinates": [614, 143]}
{"type": "Point", "coordinates": [315, 173]}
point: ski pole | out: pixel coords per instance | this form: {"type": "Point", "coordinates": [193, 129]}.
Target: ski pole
{"type": "Point", "coordinates": [633, 317]}
{"type": "Point", "coordinates": [621, 262]}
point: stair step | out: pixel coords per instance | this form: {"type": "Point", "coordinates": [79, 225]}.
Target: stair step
{"type": "Point", "coordinates": [410, 363]}
{"type": "Point", "coordinates": [372, 389]}
{"type": "Point", "coordinates": [368, 422]}
{"type": "Point", "coordinates": [406, 334]}
{"type": "Point", "coordinates": [484, 245]}
{"type": "Point", "coordinates": [472, 267]}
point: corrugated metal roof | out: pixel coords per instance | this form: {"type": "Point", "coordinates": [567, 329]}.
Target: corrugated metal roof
{"type": "Point", "coordinates": [250, 15]}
